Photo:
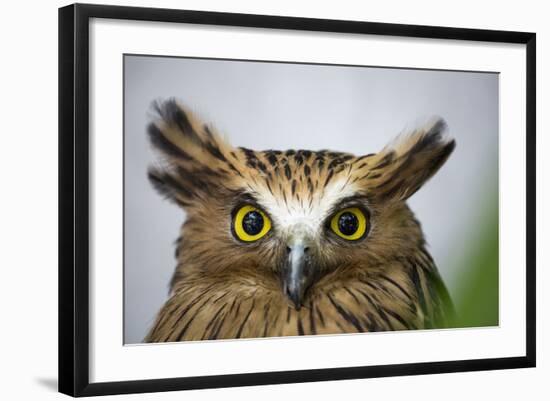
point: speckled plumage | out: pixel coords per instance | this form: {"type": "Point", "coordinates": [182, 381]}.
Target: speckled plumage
{"type": "Point", "coordinates": [223, 288]}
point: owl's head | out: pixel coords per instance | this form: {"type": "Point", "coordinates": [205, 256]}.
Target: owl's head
{"type": "Point", "coordinates": [289, 221]}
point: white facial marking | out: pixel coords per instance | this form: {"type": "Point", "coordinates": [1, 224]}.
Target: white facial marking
{"type": "Point", "coordinates": [294, 215]}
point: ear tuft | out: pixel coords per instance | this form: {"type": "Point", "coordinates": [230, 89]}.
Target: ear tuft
{"type": "Point", "coordinates": [431, 136]}
{"type": "Point", "coordinates": [170, 186]}
{"type": "Point", "coordinates": [411, 160]}
{"type": "Point", "coordinates": [195, 157]}
{"type": "Point", "coordinates": [174, 115]}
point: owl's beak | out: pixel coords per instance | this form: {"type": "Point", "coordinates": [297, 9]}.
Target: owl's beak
{"type": "Point", "coordinates": [297, 272]}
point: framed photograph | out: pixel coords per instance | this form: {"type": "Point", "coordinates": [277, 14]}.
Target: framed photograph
{"type": "Point", "coordinates": [252, 199]}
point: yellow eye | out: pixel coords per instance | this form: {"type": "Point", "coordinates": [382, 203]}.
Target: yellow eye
{"type": "Point", "coordinates": [350, 223]}
{"type": "Point", "coordinates": [250, 224]}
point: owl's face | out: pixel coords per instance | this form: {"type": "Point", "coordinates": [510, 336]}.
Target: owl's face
{"type": "Point", "coordinates": [289, 221]}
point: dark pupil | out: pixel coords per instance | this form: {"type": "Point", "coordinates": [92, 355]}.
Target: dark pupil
{"type": "Point", "coordinates": [253, 222]}
{"type": "Point", "coordinates": [348, 223]}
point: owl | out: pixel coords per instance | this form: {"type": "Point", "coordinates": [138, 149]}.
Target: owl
{"type": "Point", "coordinates": [295, 242]}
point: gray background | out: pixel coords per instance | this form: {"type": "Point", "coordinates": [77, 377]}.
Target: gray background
{"type": "Point", "coordinates": [273, 105]}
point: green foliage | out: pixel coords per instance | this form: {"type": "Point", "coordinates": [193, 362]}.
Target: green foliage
{"type": "Point", "coordinates": [478, 297]}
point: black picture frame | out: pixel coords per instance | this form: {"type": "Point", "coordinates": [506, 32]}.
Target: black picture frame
{"type": "Point", "coordinates": [74, 197]}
